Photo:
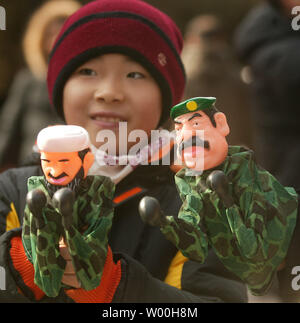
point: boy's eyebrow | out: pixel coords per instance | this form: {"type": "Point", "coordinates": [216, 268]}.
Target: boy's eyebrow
{"type": "Point", "coordinates": [194, 116]}
{"type": "Point", "coordinates": [130, 59]}
{"type": "Point", "coordinates": [46, 160]}
{"type": "Point", "coordinates": [63, 160]}
{"type": "Point", "coordinates": [178, 122]}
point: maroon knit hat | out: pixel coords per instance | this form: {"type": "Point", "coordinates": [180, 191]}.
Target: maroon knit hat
{"type": "Point", "coordinates": [130, 27]}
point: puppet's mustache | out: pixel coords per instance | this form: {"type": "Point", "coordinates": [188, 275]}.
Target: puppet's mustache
{"type": "Point", "coordinates": [59, 176]}
{"type": "Point", "coordinates": [193, 142]}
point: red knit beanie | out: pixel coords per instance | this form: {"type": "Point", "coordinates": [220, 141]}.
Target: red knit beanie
{"type": "Point", "coordinates": [130, 27]}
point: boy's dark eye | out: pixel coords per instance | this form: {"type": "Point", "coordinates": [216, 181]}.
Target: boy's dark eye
{"type": "Point", "coordinates": [87, 71]}
{"type": "Point", "coordinates": [135, 75]}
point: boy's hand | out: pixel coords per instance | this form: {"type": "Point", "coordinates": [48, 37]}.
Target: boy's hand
{"type": "Point", "coordinates": [69, 277]}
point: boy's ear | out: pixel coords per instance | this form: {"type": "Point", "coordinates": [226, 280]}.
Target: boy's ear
{"type": "Point", "coordinates": [88, 162]}
{"type": "Point", "coordinates": [221, 123]}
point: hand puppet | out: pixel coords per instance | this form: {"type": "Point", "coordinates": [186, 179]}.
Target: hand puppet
{"type": "Point", "coordinates": [229, 202]}
{"type": "Point", "coordinates": [65, 204]}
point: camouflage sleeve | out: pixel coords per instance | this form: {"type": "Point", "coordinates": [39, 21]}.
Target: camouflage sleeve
{"type": "Point", "coordinates": [186, 230]}
{"type": "Point", "coordinates": [88, 249]}
{"type": "Point", "coordinates": [261, 222]}
{"type": "Point", "coordinates": [85, 232]}
{"type": "Point", "coordinates": [251, 237]}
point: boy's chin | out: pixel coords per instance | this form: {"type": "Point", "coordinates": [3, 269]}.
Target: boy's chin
{"type": "Point", "coordinates": [111, 151]}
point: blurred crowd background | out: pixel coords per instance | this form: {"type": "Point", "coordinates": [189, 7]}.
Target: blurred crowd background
{"type": "Point", "coordinates": [31, 27]}
{"type": "Point", "coordinates": [18, 14]}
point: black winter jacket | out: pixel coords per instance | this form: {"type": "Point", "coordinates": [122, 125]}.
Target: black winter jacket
{"type": "Point", "coordinates": [267, 43]}
{"type": "Point", "coordinates": [144, 252]}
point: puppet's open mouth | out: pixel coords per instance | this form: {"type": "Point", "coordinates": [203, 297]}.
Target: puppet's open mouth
{"type": "Point", "coordinates": [58, 179]}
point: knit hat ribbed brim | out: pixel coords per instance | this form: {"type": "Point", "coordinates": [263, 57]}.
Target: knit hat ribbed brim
{"type": "Point", "coordinates": [130, 27]}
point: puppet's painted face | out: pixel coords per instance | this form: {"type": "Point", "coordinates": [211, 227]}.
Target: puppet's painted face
{"type": "Point", "coordinates": [61, 168]}
{"type": "Point", "coordinates": [214, 149]}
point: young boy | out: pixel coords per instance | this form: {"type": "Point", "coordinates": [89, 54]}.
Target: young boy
{"type": "Point", "coordinates": [118, 61]}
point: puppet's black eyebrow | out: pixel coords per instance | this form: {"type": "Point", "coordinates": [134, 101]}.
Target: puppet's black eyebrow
{"type": "Point", "coordinates": [194, 116]}
{"type": "Point", "coordinates": [177, 122]}
{"type": "Point", "coordinates": [46, 160]}
{"type": "Point", "coordinates": [63, 160]}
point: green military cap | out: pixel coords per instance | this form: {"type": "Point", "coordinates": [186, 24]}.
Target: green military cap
{"type": "Point", "coordinates": [191, 105]}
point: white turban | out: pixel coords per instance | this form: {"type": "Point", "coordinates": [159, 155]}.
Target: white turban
{"type": "Point", "coordinates": [63, 138]}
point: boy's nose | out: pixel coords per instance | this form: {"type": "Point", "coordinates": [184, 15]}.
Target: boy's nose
{"type": "Point", "coordinates": [109, 91]}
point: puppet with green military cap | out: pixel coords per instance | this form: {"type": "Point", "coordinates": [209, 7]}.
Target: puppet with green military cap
{"type": "Point", "coordinates": [192, 105]}
{"type": "Point", "coordinates": [229, 202]}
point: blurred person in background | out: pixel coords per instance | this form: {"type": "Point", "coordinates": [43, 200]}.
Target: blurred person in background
{"type": "Point", "coordinates": [27, 109]}
{"type": "Point", "coordinates": [212, 70]}
{"type": "Point", "coordinates": [269, 47]}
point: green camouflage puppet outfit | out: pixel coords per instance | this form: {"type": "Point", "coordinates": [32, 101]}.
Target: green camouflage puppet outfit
{"type": "Point", "coordinates": [86, 236]}
{"type": "Point", "coordinates": [251, 237]}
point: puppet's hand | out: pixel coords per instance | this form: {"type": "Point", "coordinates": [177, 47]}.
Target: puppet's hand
{"type": "Point", "coordinates": [64, 200]}
{"type": "Point", "coordinates": [151, 212]}
{"type": "Point", "coordinates": [41, 232]}
{"type": "Point", "coordinates": [217, 181]}
{"type": "Point", "coordinates": [180, 231]}
{"type": "Point", "coordinates": [36, 201]}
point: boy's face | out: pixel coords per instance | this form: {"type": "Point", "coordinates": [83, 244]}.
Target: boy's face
{"type": "Point", "coordinates": [109, 89]}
